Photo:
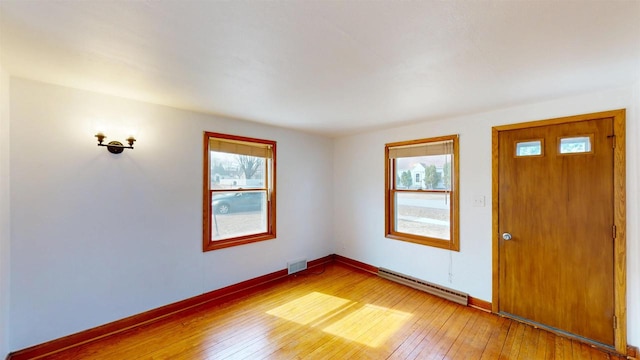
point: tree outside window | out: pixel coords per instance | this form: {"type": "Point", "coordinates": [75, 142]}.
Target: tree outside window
{"type": "Point", "coordinates": [239, 196]}
{"type": "Point", "coordinates": [424, 212]}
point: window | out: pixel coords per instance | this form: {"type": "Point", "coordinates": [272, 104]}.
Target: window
{"type": "Point", "coordinates": [575, 145]}
{"type": "Point", "coordinates": [425, 212]}
{"type": "Point", "coordinates": [529, 148]}
{"type": "Point", "coordinates": [239, 202]}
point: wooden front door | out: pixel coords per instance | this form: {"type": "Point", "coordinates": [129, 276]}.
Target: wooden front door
{"type": "Point", "coordinates": [556, 227]}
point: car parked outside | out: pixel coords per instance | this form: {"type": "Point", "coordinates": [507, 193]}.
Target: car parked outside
{"type": "Point", "coordinates": [225, 203]}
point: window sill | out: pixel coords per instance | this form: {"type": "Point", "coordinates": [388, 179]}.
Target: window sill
{"type": "Point", "coordinates": [221, 244]}
{"type": "Point", "coordinates": [427, 241]}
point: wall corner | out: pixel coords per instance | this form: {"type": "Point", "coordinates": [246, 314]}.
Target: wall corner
{"type": "Point", "coordinates": [4, 213]}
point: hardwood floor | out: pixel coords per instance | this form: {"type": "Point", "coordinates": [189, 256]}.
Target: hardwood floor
{"type": "Point", "coordinates": [338, 314]}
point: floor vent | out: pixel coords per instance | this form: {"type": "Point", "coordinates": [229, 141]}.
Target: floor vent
{"type": "Point", "coordinates": [433, 289]}
{"type": "Point", "coordinates": [294, 267]}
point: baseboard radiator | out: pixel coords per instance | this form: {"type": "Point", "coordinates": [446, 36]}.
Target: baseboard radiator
{"type": "Point", "coordinates": [433, 289]}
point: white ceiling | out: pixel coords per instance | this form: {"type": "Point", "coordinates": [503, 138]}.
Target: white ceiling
{"type": "Point", "coordinates": [329, 67]}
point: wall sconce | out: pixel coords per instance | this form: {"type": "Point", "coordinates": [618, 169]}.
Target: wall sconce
{"type": "Point", "coordinates": [115, 147]}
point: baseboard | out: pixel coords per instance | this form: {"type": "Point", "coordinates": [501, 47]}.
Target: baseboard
{"type": "Point", "coordinates": [212, 297]}
{"type": "Point", "coordinates": [632, 352]}
{"type": "Point", "coordinates": [473, 302]}
{"type": "Point", "coordinates": [479, 304]}
{"type": "Point", "coordinates": [356, 264]}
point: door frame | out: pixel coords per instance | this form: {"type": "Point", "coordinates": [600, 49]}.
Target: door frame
{"type": "Point", "coordinates": [620, 214]}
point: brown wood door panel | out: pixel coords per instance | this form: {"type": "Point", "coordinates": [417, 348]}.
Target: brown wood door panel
{"type": "Point", "coordinates": [557, 269]}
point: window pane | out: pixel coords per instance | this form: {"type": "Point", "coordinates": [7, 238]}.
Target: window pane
{"type": "Point", "coordinates": [424, 172]}
{"type": "Point", "coordinates": [239, 204]}
{"type": "Point", "coordinates": [573, 145]}
{"type": "Point", "coordinates": [421, 203]}
{"type": "Point", "coordinates": [238, 213]}
{"type": "Point", "coordinates": [529, 148]}
{"type": "Point", "coordinates": [424, 214]}
{"type": "Point", "coordinates": [233, 171]}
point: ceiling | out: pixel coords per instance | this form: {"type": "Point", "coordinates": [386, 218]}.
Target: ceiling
{"type": "Point", "coordinates": [327, 67]}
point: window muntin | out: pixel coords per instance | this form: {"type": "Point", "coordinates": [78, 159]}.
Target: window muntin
{"type": "Point", "coordinates": [239, 195]}
{"type": "Point", "coordinates": [423, 211]}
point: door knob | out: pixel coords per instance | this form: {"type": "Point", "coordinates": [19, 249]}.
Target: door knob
{"type": "Point", "coordinates": [506, 236]}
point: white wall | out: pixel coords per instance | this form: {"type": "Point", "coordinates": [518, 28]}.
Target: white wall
{"type": "Point", "coordinates": [359, 205]}
{"type": "Point", "coordinates": [97, 237]}
{"type": "Point", "coordinates": [4, 213]}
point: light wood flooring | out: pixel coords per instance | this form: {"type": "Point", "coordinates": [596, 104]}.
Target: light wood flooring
{"type": "Point", "coordinates": [340, 313]}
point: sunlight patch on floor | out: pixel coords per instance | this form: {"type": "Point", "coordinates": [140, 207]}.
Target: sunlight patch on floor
{"type": "Point", "coordinates": [309, 308]}
{"type": "Point", "coordinates": [367, 324]}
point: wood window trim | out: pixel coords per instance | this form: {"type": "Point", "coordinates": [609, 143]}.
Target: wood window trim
{"type": "Point", "coordinates": [390, 190]}
{"type": "Point", "coordinates": [207, 243]}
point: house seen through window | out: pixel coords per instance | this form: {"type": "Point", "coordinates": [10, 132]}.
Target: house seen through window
{"type": "Point", "coordinates": [422, 191]}
{"type": "Point", "coordinates": [239, 196]}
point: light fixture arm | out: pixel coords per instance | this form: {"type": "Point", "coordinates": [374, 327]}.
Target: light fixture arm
{"type": "Point", "coordinates": [115, 147]}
